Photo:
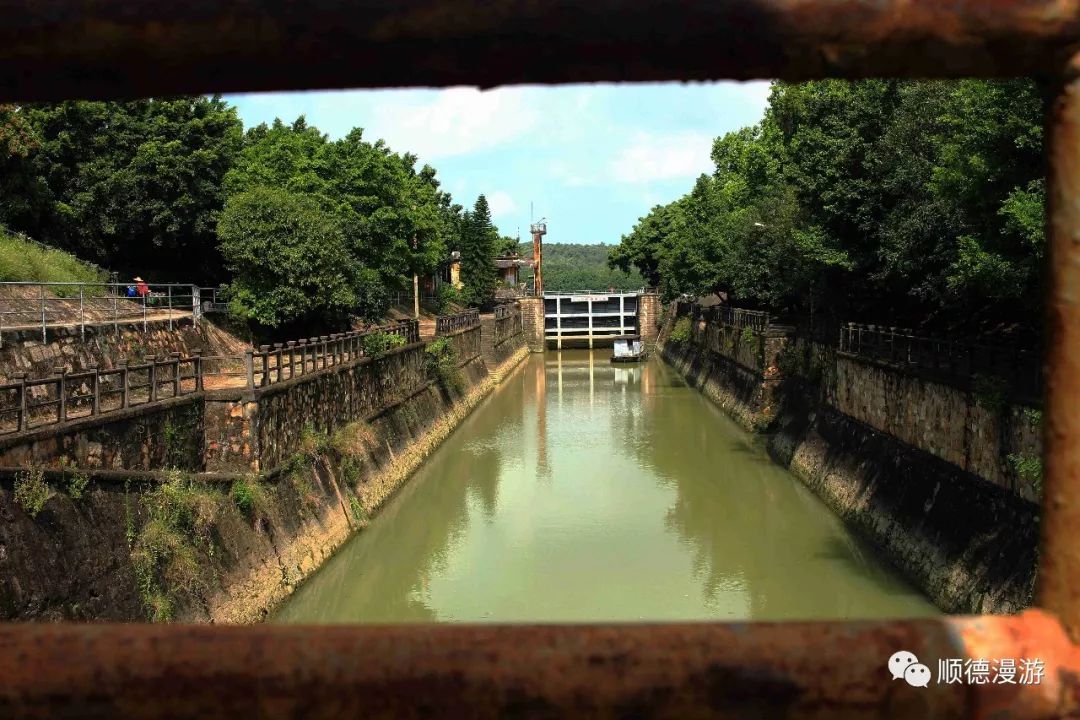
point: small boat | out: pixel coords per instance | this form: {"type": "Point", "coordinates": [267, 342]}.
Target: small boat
{"type": "Point", "coordinates": [628, 349]}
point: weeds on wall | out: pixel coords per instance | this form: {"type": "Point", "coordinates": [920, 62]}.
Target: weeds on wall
{"type": "Point", "coordinates": [353, 439]}
{"type": "Point", "coordinates": [442, 365]}
{"type": "Point", "coordinates": [129, 516]}
{"type": "Point", "coordinates": [178, 433]}
{"type": "Point", "coordinates": [350, 470]}
{"type": "Point", "coordinates": [31, 490]}
{"type": "Point", "coordinates": [747, 335]}
{"type": "Point", "coordinates": [360, 515]}
{"type": "Point", "coordinates": [181, 515]}
{"type": "Point", "coordinates": [305, 490]}
{"type": "Point", "coordinates": [313, 443]}
{"type": "Point", "coordinates": [378, 344]}
{"type": "Point", "coordinates": [991, 392]}
{"type": "Point", "coordinates": [251, 498]}
{"type": "Point", "coordinates": [74, 483]}
{"type": "Point", "coordinates": [1029, 468]}
{"type": "Point", "coordinates": [680, 331]}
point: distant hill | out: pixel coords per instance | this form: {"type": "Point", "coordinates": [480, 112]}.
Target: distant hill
{"type": "Point", "coordinates": [573, 266]}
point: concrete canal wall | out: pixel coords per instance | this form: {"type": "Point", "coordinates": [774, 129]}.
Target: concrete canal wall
{"type": "Point", "coordinates": [282, 477]}
{"type": "Point", "coordinates": [937, 477]}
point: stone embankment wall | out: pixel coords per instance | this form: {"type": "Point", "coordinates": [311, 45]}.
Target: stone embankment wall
{"type": "Point", "coordinates": [167, 434]}
{"type": "Point", "coordinates": [975, 431]}
{"type": "Point", "coordinates": [229, 548]}
{"type": "Point", "coordinates": [925, 471]}
{"type": "Point", "coordinates": [260, 431]}
{"type": "Point", "coordinates": [107, 346]}
{"type": "Point", "coordinates": [507, 336]}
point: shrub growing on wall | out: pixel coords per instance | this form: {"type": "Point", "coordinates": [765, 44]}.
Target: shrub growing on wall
{"type": "Point", "coordinates": [165, 557]}
{"type": "Point", "coordinates": [442, 364]}
{"type": "Point", "coordinates": [31, 490]}
{"type": "Point", "coordinates": [378, 344]}
{"type": "Point", "coordinates": [680, 332]}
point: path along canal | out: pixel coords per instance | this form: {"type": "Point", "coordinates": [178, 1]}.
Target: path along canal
{"type": "Point", "coordinates": [585, 491]}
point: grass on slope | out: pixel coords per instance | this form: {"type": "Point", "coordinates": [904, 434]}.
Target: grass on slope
{"type": "Point", "coordinates": [25, 260]}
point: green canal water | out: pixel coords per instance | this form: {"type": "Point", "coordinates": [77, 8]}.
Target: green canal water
{"type": "Point", "coordinates": [586, 491]}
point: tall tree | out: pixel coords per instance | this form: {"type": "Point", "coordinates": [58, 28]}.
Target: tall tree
{"type": "Point", "coordinates": [479, 240]}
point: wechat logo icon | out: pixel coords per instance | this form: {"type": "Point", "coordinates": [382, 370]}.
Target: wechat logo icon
{"type": "Point", "coordinates": [903, 665]}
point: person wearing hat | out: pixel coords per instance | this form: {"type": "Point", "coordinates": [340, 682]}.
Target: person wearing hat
{"type": "Point", "coordinates": [141, 288]}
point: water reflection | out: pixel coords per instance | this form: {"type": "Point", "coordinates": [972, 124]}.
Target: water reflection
{"type": "Point", "coordinates": [583, 490]}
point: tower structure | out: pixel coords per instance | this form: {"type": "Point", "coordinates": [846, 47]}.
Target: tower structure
{"type": "Point", "coordinates": [538, 230]}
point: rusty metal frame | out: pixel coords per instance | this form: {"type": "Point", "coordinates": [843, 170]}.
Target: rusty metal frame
{"type": "Point", "coordinates": [54, 49]}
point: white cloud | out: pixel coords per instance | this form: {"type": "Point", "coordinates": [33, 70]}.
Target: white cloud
{"type": "Point", "coordinates": [501, 203]}
{"type": "Point", "coordinates": [651, 157]}
{"type": "Point", "coordinates": [457, 121]}
{"type": "Point", "coordinates": [568, 176]}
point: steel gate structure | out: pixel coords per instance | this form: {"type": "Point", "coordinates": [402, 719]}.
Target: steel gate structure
{"type": "Point", "coordinates": [57, 49]}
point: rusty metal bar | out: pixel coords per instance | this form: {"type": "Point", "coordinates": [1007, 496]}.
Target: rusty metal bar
{"type": "Point", "coordinates": [806, 670]}
{"type": "Point", "coordinates": [62, 49]}
{"type": "Point", "coordinates": [1059, 559]}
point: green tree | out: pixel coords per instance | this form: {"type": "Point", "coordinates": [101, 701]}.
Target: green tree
{"type": "Point", "coordinates": [479, 240]}
{"type": "Point", "coordinates": [289, 258]}
{"type": "Point", "coordinates": [134, 186]}
{"type": "Point", "coordinates": [913, 203]}
{"type": "Point", "coordinates": [394, 218]}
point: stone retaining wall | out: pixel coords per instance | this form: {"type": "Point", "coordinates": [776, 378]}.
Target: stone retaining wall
{"type": "Point", "coordinates": [144, 437]}
{"type": "Point", "coordinates": [976, 432]}
{"type": "Point", "coordinates": [75, 558]}
{"type": "Point", "coordinates": [917, 468]}
{"type": "Point", "coordinates": [106, 346]}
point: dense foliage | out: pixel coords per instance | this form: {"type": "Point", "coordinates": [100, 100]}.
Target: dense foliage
{"type": "Point", "coordinates": [577, 266]}
{"type": "Point", "coordinates": [133, 186]}
{"type": "Point", "coordinates": [392, 218]}
{"type": "Point", "coordinates": [907, 202]}
{"type": "Point", "coordinates": [288, 256]}
{"type": "Point", "coordinates": [303, 228]}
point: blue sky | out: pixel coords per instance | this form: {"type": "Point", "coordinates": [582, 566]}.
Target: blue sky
{"type": "Point", "coordinates": [591, 158]}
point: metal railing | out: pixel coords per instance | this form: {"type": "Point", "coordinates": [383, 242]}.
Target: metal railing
{"type": "Point", "coordinates": [1020, 370]}
{"type": "Point", "coordinates": [505, 310]}
{"type": "Point", "coordinates": [31, 403]}
{"type": "Point", "coordinates": [755, 320]}
{"type": "Point", "coordinates": [44, 305]}
{"type": "Point", "coordinates": [405, 297]}
{"type": "Point", "coordinates": [213, 299]}
{"type": "Point", "coordinates": [446, 324]}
